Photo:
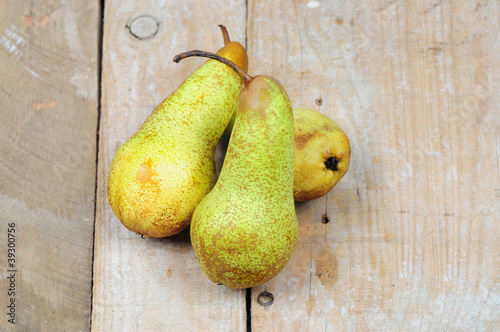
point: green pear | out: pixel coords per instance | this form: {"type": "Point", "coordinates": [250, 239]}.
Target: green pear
{"type": "Point", "coordinates": [245, 231]}
{"type": "Point", "coordinates": [322, 154]}
{"type": "Point", "coordinates": [158, 177]}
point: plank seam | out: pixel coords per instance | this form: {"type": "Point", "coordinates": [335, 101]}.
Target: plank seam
{"type": "Point", "coordinates": [100, 45]}
{"type": "Point", "coordinates": [248, 300]}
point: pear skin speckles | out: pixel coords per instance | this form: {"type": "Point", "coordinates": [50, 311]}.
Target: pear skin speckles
{"type": "Point", "coordinates": [245, 230]}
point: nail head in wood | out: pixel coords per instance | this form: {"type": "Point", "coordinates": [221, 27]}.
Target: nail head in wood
{"type": "Point", "coordinates": [265, 298]}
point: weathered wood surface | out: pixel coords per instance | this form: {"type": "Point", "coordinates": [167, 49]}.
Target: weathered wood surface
{"type": "Point", "coordinates": [48, 92]}
{"type": "Point", "coordinates": [154, 284]}
{"type": "Point", "coordinates": [412, 242]}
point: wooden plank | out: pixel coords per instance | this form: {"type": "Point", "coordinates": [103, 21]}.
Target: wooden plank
{"type": "Point", "coordinates": [412, 242]}
{"type": "Point", "coordinates": [48, 91]}
{"type": "Point", "coordinates": [154, 284]}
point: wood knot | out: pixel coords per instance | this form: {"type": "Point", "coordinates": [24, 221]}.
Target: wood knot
{"type": "Point", "coordinates": [143, 27]}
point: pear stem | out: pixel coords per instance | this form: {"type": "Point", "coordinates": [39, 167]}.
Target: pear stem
{"type": "Point", "coordinates": [247, 78]}
{"type": "Point", "coordinates": [225, 34]}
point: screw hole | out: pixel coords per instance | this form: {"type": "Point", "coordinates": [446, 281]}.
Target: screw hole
{"type": "Point", "coordinates": [265, 299]}
{"type": "Point", "coordinates": [325, 219]}
{"type": "Point", "coordinates": [319, 101]}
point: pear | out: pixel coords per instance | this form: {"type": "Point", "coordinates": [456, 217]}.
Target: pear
{"type": "Point", "coordinates": [158, 176]}
{"type": "Point", "coordinates": [245, 231]}
{"type": "Point", "coordinates": [322, 154]}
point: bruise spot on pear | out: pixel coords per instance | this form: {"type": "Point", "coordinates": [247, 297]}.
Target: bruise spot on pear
{"type": "Point", "coordinates": [301, 140]}
{"type": "Point", "coordinates": [145, 173]}
{"type": "Point", "coordinates": [327, 127]}
{"type": "Point", "coordinates": [250, 103]}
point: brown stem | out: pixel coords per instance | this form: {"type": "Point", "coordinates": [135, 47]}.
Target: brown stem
{"type": "Point", "coordinates": [247, 78]}
{"type": "Point", "coordinates": [225, 34]}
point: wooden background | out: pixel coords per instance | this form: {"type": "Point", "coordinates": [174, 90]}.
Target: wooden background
{"type": "Point", "coordinates": [413, 238]}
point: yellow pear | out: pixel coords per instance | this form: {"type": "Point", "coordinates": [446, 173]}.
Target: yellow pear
{"type": "Point", "coordinates": [158, 177]}
{"type": "Point", "coordinates": [322, 154]}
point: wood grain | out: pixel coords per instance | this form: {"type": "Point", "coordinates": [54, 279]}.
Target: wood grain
{"type": "Point", "coordinates": [49, 65]}
{"type": "Point", "coordinates": [412, 242]}
{"type": "Point", "coordinates": [154, 284]}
